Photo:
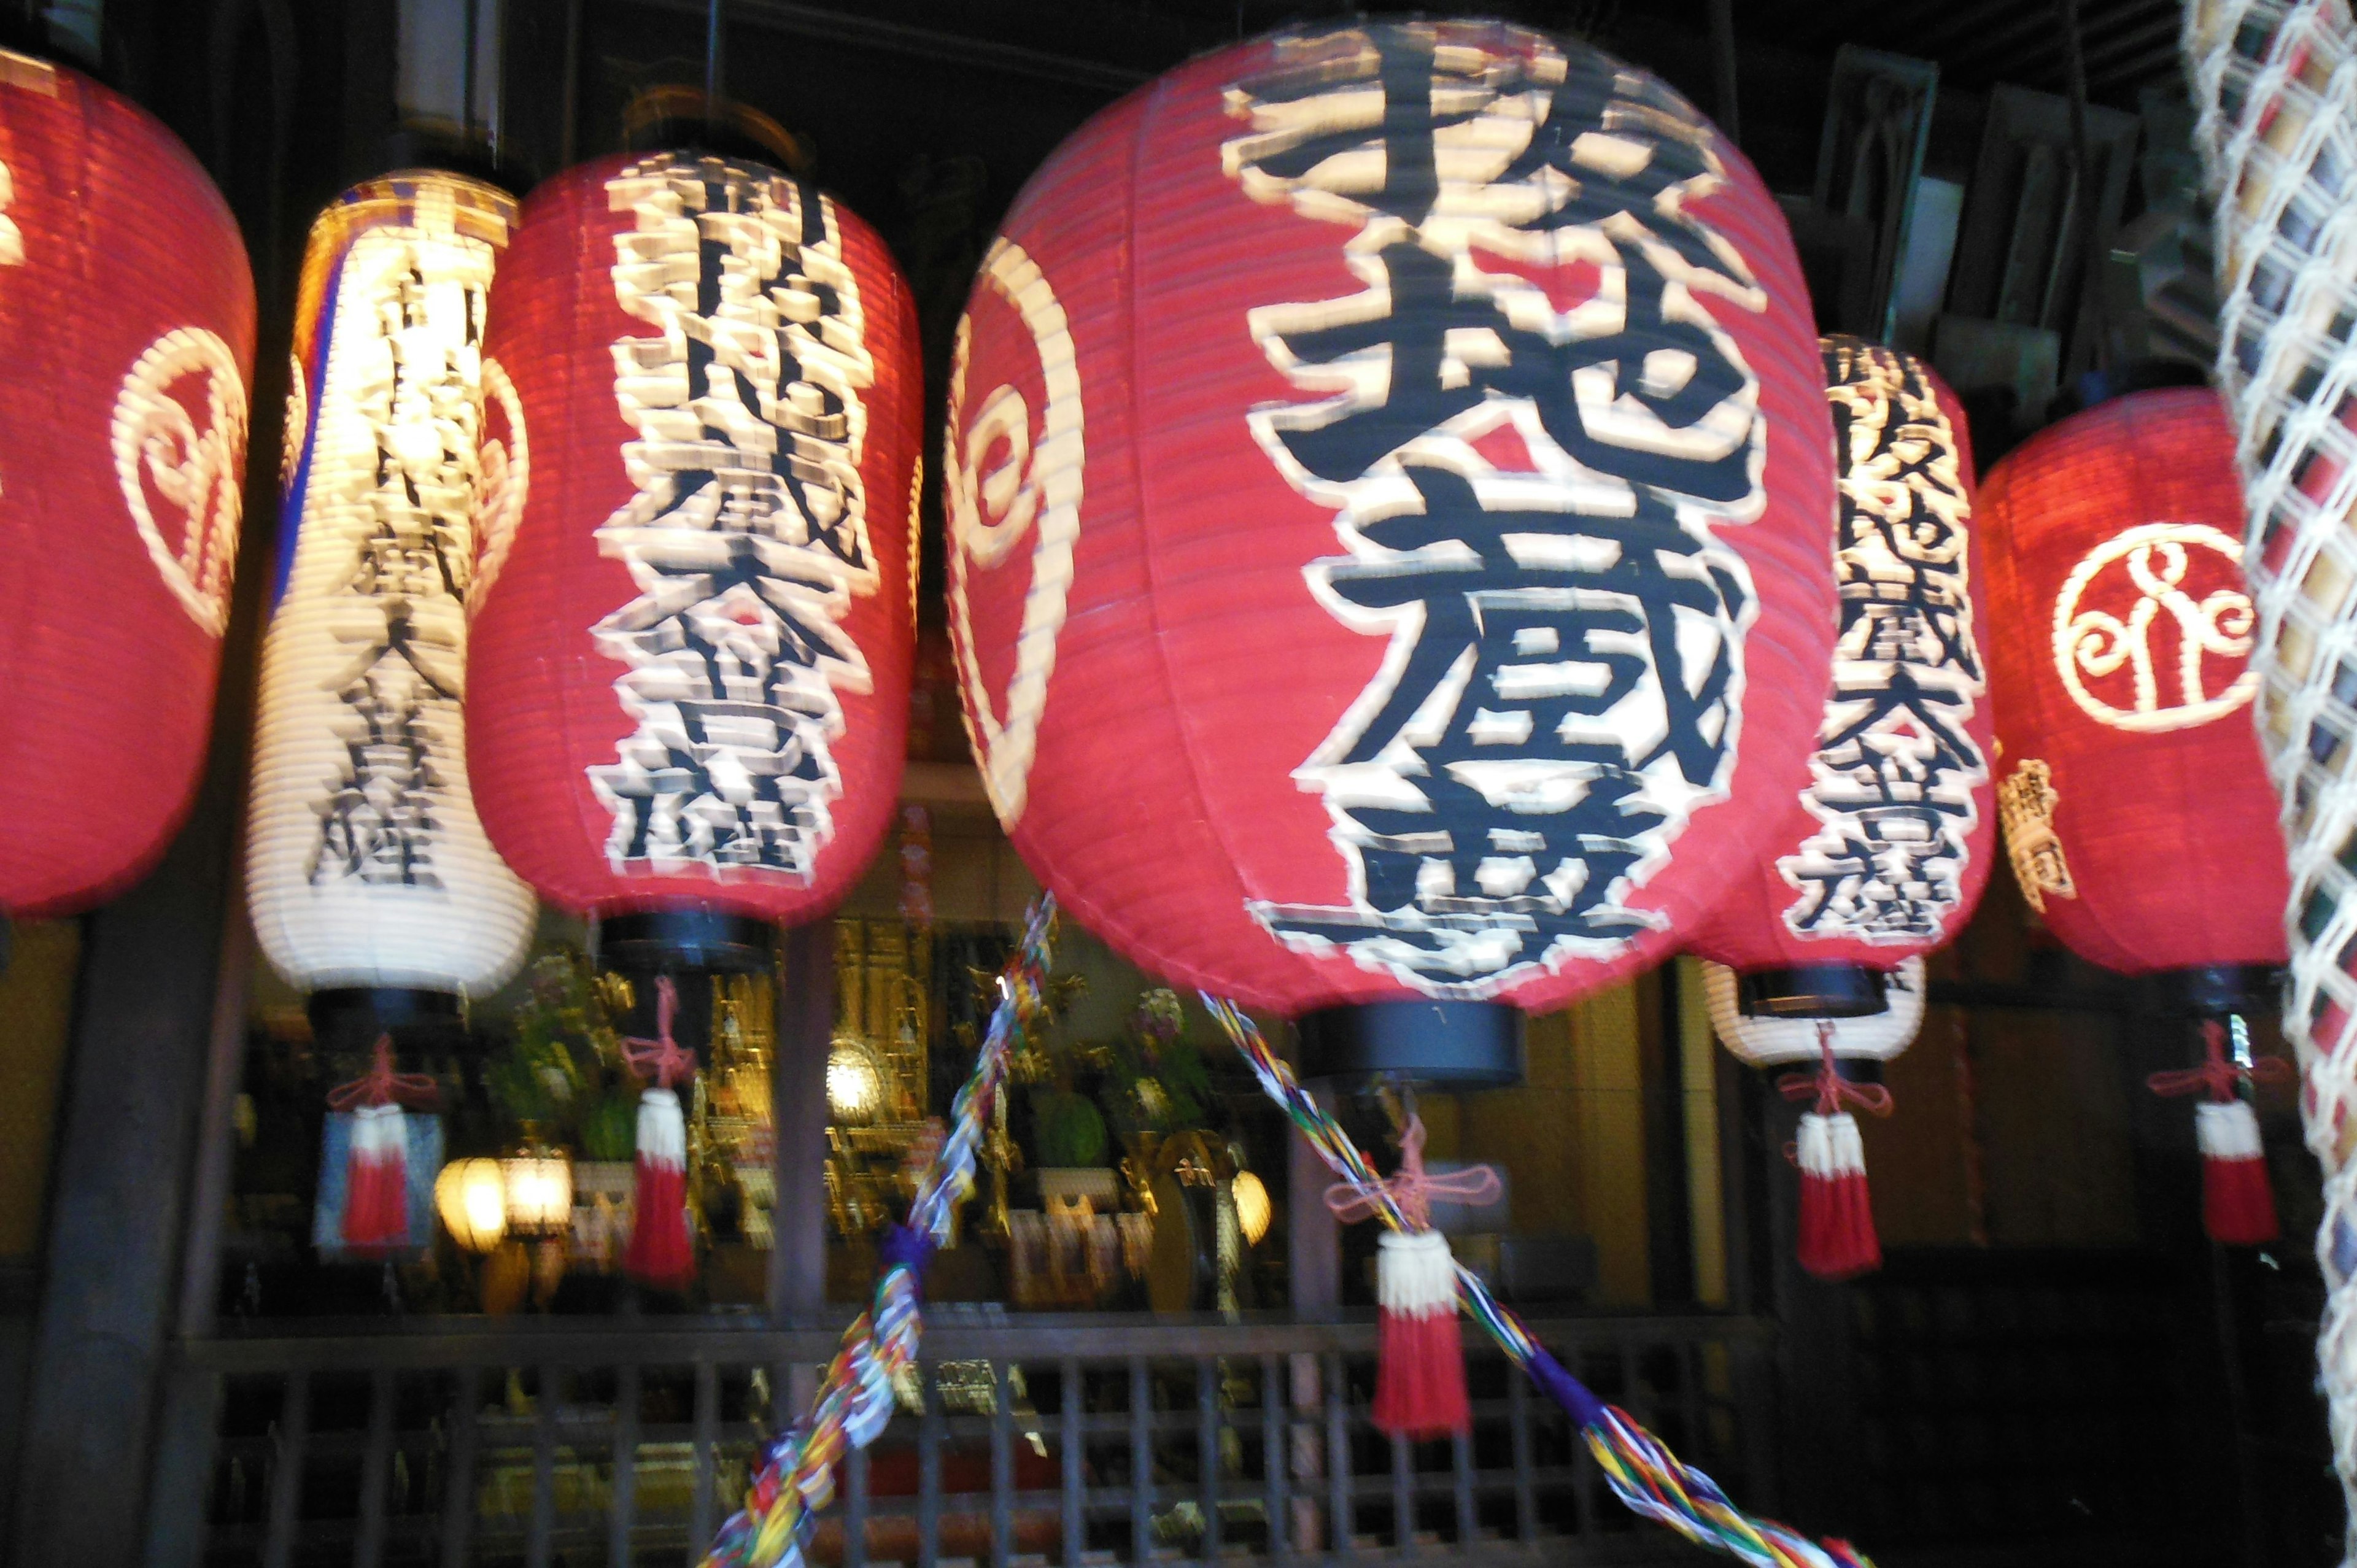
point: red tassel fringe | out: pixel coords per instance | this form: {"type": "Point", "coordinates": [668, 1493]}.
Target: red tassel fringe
{"type": "Point", "coordinates": [376, 1182]}
{"type": "Point", "coordinates": [2238, 1207]}
{"type": "Point", "coordinates": [1838, 1240]}
{"type": "Point", "coordinates": [1420, 1375]}
{"type": "Point", "coordinates": [659, 1252]}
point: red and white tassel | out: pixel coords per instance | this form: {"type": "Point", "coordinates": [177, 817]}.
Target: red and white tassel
{"type": "Point", "coordinates": [659, 1252]}
{"type": "Point", "coordinates": [1420, 1367]}
{"type": "Point", "coordinates": [376, 1181]}
{"type": "Point", "coordinates": [1837, 1238]}
{"type": "Point", "coordinates": [2238, 1207]}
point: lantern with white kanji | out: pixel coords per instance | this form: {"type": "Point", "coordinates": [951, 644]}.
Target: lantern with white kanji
{"type": "Point", "coordinates": [1885, 851]}
{"type": "Point", "coordinates": [1388, 482]}
{"type": "Point", "coordinates": [690, 679]}
{"type": "Point", "coordinates": [127, 316]}
{"type": "Point", "coordinates": [2137, 812]}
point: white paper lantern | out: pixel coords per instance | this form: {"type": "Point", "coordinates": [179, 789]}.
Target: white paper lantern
{"type": "Point", "coordinates": [365, 863]}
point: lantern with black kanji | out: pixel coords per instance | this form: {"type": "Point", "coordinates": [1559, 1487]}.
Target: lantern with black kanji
{"type": "Point", "coordinates": [127, 316]}
{"type": "Point", "coordinates": [369, 879]}
{"type": "Point", "coordinates": [1885, 850]}
{"type": "Point", "coordinates": [690, 679]}
{"type": "Point", "coordinates": [2137, 813]}
{"type": "Point", "coordinates": [1388, 482]}
{"type": "Point", "coordinates": [1385, 581]}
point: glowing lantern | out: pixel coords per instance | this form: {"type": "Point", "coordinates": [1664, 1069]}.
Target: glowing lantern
{"type": "Point", "coordinates": [1388, 484]}
{"type": "Point", "coordinates": [127, 312]}
{"type": "Point", "coordinates": [366, 868]}
{"type": "Point", "coordinates": [1884, 852]}
{"type": "Point", "coordinates": [691, 677]}
{"type": "Point", "coordinates": [2135, 805]}
{"type": "Point", "coordinates": [471, 1197]}
{"type": "Point", "coordinates": [2137, 810]}
{"type": "Point", "coordinates": [537, 1184]}
{"type": "Point", "coordinates": [1252, 1213]}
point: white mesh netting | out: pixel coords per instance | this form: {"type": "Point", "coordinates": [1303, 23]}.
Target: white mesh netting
{"type": "Point", "coordinates": [2274, 84]}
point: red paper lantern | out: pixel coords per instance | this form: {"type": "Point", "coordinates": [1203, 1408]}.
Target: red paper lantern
{"type": "Point", "coordinates": [689, 678]}
{"type": "Point", "coordinates": [1388, 486]}
{"type": "Point", "coordinates": [2138, 815]}
{"type": "Point", "coordinates": [126, 321]}
{"type": "Point", "coordinates": [1882, 856]}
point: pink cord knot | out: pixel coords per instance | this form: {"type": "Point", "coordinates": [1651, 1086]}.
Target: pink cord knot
{"type": "Point", "coordinates": [382, 1086]}
{"type": "Point", "coordinates": [1412, 1190]}
{"type": "Point", "coordinates": [660, 1059]}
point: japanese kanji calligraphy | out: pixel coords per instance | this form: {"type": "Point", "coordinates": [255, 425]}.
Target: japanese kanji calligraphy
{"type": "Point", "coordinates": [1893, 781]}
{"type": "Point", "coordinates": [1530, 424]}
{"type": "Point", "coordinates": [747, 536]}
{"type": "Point", "coordinates": [366, 862]}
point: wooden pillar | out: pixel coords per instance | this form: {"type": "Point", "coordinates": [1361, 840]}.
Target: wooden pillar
{"type": "Point", "coordinates": [797, 1111]}
{"type": "Point", "coordinates": [1313, 1241]}
{"type": "Point", "coordinates": [126, 1151]}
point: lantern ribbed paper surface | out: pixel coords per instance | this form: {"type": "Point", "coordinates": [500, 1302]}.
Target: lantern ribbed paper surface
{"type": "Point", "coordinates": [1762, 1041]}
{"type": "Point", "coordinates": [1886, 849]}
{"type": "Point", "coordinates": [1388, 481]}
{"type": "Point", "coordinates": [365, 863]}
{"type": "Point", "coordinates": [2137, 813]}
{"type": "Point", "coordinates": [690, 681]}
{"type": "Point", "coordinates": [126, 312]}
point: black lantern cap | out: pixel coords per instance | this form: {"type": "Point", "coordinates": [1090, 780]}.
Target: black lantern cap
{"type": "Point", "coordinates": [665, 941]}
{"type": "Point", "coordinates": [1450, 1044]}
{"type": "Point", "coordinates": [1810, 991]}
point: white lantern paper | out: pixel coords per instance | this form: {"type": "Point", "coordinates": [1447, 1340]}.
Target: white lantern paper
{"type": "Point", "coordinates": [1774, 1042]}
{"type": "Point", "coordinates": [365, 863]}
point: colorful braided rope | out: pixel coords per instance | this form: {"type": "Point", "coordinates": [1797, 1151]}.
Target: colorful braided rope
{"type": "Point", "coordinates": [796, 1480]}
{"type": "Point", "coordinates": [1644, 1474]}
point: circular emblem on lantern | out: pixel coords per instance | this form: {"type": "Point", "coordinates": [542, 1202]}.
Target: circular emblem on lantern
{"type": "Point", "coordinates": [505, 458]}
{"type": "Point", "coordinates": [2140, 620]}
{"type": "Point", "coordinates": [179, 438]}
{"type": "Point", "coordinates": [1003, 481]}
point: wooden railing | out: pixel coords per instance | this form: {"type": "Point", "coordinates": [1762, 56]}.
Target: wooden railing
{"type": "Point", "coordinates": [1033, 1440]}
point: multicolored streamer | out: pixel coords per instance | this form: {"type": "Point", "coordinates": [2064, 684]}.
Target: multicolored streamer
{"type": "Point", "coordinates": [796, 1480]}
{"type": "Point", "coordinates": [1644, 1474]}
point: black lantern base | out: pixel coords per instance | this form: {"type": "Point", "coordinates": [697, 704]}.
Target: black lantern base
{"type": "Point", "coordinates": [348, 1019]}
{"type": "Point", "coordinates": [1449, 1045]}
{"type": "Point", "coordinates": [1810, 991]}
{"type": "Point", "coordinates": [2216, 990]}
{"type": "Point", "coordinates": [691, 946]}
{"type": "Point", "coordinates": [665, 941]}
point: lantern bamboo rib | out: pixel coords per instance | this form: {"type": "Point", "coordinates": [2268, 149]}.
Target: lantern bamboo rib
{"type": "Point", "coordinates": [2274, 83]}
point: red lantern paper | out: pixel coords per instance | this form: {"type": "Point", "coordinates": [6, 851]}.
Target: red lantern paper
{"type": "Point", "coordinates": [126, 321]}
{"type": "Point", "coordinates": [2137, 812]}
{"type": "Point", "coordinates": [689, 683]}
{"type": "Point", "coordinates": [1883, 854]}
{"type": "Point", "coordinates": [1388, 485]}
